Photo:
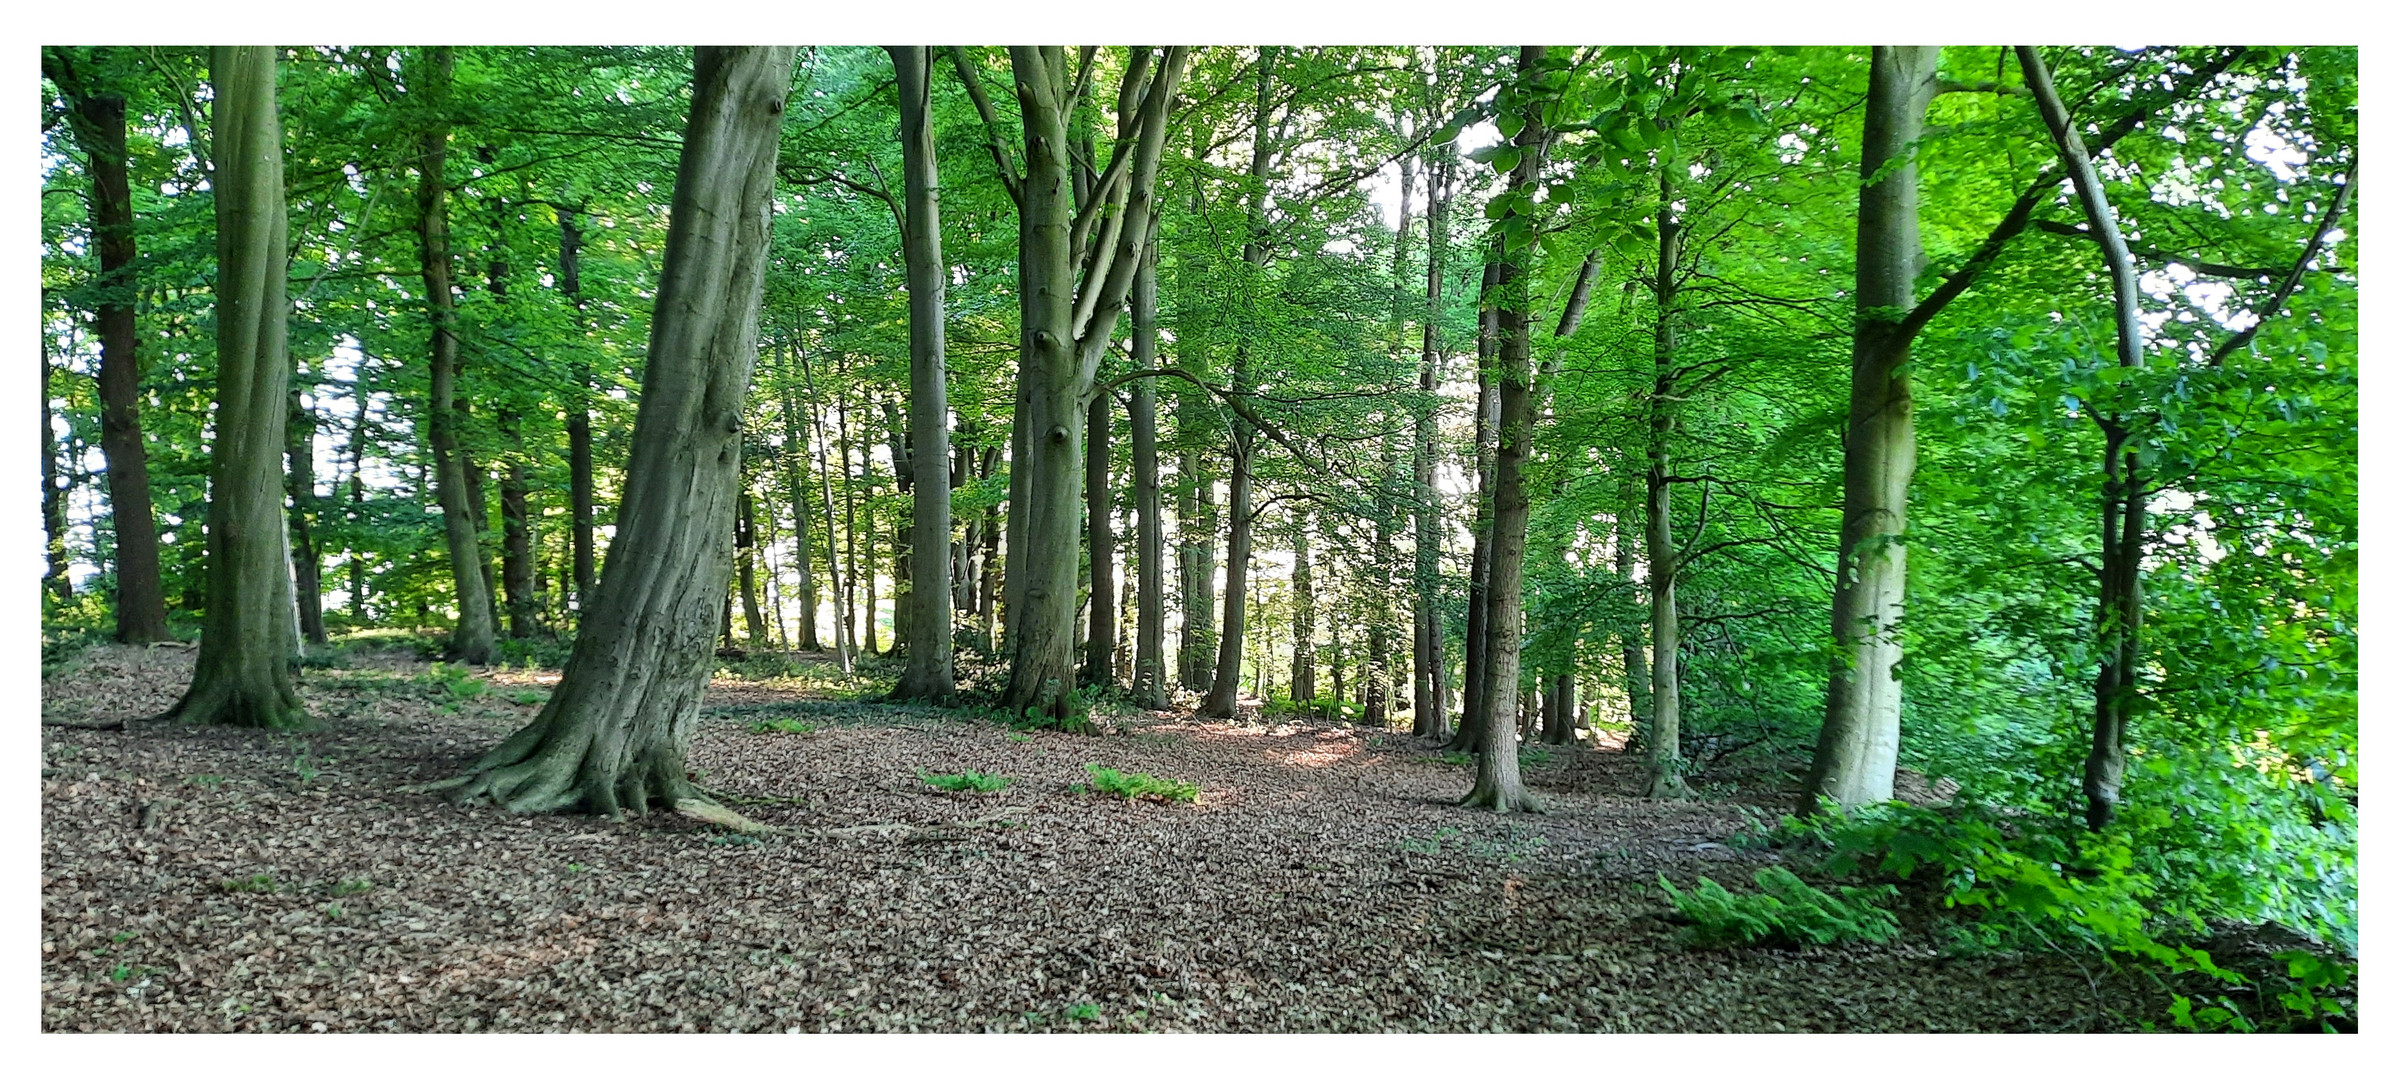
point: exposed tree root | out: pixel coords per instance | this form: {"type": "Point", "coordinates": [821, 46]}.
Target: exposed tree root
{"type": "Point", "coordinates": [1497, 799]}
{"type": "Point", "coordinates": [86, 725]}
{"type": "Point", "coordinates": [719, 814]}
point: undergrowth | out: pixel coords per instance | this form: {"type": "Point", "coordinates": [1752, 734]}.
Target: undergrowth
{"type": "Point", "coordinates": [1784, 911]}
{"type": "Point", "coordinates": [969, 780]}
{"type": "Point", "coordinates": [1129, 786]}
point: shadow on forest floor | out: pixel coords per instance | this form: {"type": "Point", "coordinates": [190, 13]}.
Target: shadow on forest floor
{"type": "Point", "coordinates": [1325, 880]}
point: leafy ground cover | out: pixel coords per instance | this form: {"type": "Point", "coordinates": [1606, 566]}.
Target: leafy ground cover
{"type": "Point", "coordinates": [221, 880]}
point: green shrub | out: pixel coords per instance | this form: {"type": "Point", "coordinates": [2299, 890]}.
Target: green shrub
{"type": "Point", "coordinates": [1784, 910]}
{"type": "Point", "coordinates": [969, 780]}
{"type": "Point", "coordinates": [1129, 786]}
{"type": "Point", "coordinates": [255, 883]}
{"type": "Point", "coordinates": [783, 724]}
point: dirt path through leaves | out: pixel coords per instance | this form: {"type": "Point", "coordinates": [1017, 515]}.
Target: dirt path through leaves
{"type": "Point", "coordinates": [206, 880]}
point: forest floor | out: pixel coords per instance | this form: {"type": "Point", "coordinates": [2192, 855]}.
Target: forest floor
{"type": "Point", "coordinates": [223, 880]}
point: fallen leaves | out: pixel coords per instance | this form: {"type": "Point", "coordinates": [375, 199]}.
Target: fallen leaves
{"type": "Point", "coordinates": [1327, 881]}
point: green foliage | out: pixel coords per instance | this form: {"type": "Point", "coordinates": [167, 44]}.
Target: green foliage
{"type": "Point", "coordinates": [783, 724]}
{"type": "Point", "coordinates": [255, 883]}
{"type": "Point", "coordinates": [353, 886]}
{"type": "Point", "coordinates": [1785, 910]}
{"type": "Point", "coordinates": [1129, 786]}
{"type": "Point", "coordinates": [969, 780]}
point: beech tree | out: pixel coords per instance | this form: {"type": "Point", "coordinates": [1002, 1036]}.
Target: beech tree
{"type": "Point", "coordinates": [928, 601]}
{"type": "Point", "coordinates": [243, 674]}
{"type": "Point", "coordinates": [1075, 267]}
{"type": "Point", "coordinates": [612, 737]}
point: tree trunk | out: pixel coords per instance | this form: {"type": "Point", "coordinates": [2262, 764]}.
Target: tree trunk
{"type": "Point", "coordinates": [1196, 555]}
{"type": "Point", "coordinates": [517, 576]}
{"type": "Point", "coordinates": [471, 641]}
{"type": "Point", "coordinates": [1560, 729]}
{"type": "Point", "coordinates": [1225, 688]}
{"type": "Point", "coordinates": [54, 497]}
{"type": "Point", "coordinates": [1431, 720]}
{"type": "Point", "coordinates": [98, 120]}
{"type": "Point", "coordinates": [794, 452]}
{"type": "Point", "coordinates": [301, 451]}
{"type": "Point", "coordinates": [1100, 641]}
{"type": "Point", "coordinates": [1472, 712]}
{"type": "Point", "coordinates": [613, 736]}
{"type": "Point", "coordinates": [1304, 621]}
{"type": "Point", "coordinates": [928, 637]}
{"type": "Point", "coordinates": [2123, 529]}
{"type": "Point", "coordinates": [1066, 319]}
{"type": "Point", "coordinates": [1497, 783]}
{"type": "Point", "coordinates": [579, 416]}
{"type": "Point", "coordinates": [1663, 748]}
{"type": "Point", "coordinates": [745, 542]}
{"type": "Point", "coordinates": [1150, 623]}
{"type": "Point", "coordinates": [243, 674]}
{"type": "Point", "coordinates": [1859, 748]}
{"type": "Point", "coordinates": [1637, 662]}
{"type": "Point", "coordinates": [844, 646]}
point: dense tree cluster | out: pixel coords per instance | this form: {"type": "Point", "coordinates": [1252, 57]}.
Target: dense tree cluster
{"type": "Point", "coordinates": [1988, 412]}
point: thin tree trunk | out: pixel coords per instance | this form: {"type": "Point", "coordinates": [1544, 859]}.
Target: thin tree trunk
{"type": "Point", "coordinates": [1663, 748]}
{"type": "Point", "coordinates": [612, 738]}
{"type": "Point", "coordinates": [928, 636]}
{"type": "Point", "coordinates": [1560, 731]}
{"type": "Point", "coordinates": [1100, 641]}
{"type": "Point", "coordinates": [2123, 528]}
{"type": "Point", "coordinates": [1226, 686]}
{"type": "Point", "coordinates": [1304, 622]}
{"type": "Point", "coordinates": [517, 576]}
{"type": "Point", "coordinates": [844, 646]}
{"type": "Point", "coordinates": [1632, 640]}
{"type": "Point", "coordinates": [579, 416]}
{"type": "Point", "coordinates": [358, 495]}
{"type": "Point", "coordinates": [1858, 749]}
{"type": "Point", "coordinates": [1432, 719]}
{"type": "Point", "coordinates": [794, 452]}
{"type": "Point", "coordinates": [471, 641]}
{"type": "Point", "coordinates": [1150, 623]}
{"type": "Point", "coordinates": [307, 571]}
{"type": "Point", "coordinates": [98, 120]}
{"type": "Point", "coordinates": [54, 497]}
{"type": "Point", "coordinates": [1472, 712]}
{"type": "Point", "coordinates": [1196, 554]}
{"type": "Point", "coordinates": [1497, 782]}
{"type": "Point", "coordinates": [745, 542]}
{"type": "Point", "coordinates": [242, 675]}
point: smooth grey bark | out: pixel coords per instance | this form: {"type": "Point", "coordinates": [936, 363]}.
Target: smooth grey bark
{"type": "Point", "coordinates": [1662, 747]}
{"type": "Point", "coordinates": [1150, 620]}
{"type": "Point", "coordinates": [1858, 749]}
{"type": "Point", "coordinates": [2123, 528]}
{"type": "Point", "coordinates": [613, 736]}
{"type": "Point", "coordinates": [472, 639]}
{"type": "Point", "coordinates": [1075, 268]}
{"type": "Point", "coordinates": [928, 639]}
{"type": "Point", "coordinates": [243, 674]}
{"type": "Point", "coordinates": [97, 118]}
{"type": "Point", "coordinates": [517, 577]}
{"type": "Point", "coordinates": [1432, 692]}
{"type": "Point", "coordinates": [1498, 784]}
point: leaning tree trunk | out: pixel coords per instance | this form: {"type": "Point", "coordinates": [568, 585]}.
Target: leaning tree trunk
{"type": "Point", "coordinates": [98, 120]}
{"type": "Point", "coordinates": [243, 675]}
{"type": "Point", "coordinates": [1150, 621]}
{"type": "Point", "coordinates": [1497, 783]}
{"type": "Point", "coordinates": [472, 639]}
{"type": "Point", "coordinates": [1859, 747]}
{"type": "Point", "coordinates": [613, 736]}
{"type": "Point", "coordinates": [2122, 525]}
{"type": "Point", "coordinates": [929, 673]}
